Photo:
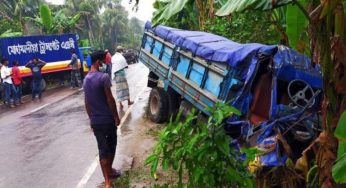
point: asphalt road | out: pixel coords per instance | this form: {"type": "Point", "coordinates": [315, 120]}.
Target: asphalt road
{"type": "Point", "coordinates": [50, 144]}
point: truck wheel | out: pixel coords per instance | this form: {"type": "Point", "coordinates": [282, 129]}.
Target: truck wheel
{"type": "Point", "coordinates": [158, 105]}
{"type": "Point", "coordinates": [174, 102]}
{"type": "Point", "coordinates": [43, 85]}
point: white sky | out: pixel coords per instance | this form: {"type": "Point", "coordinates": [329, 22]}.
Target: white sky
{"type": "Point", "coordinates": [144, 13]}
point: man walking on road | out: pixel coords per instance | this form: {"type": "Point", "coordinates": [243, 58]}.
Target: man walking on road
{"type": "Point", "coordinates": [118, 69]}
{"type": "Point", "coordinates": [75, 73]}
{"type": "Point", "coordinates": [8, 84]}
{"type": "Point", "coordinates": [36, 66]}
{"type": "Point", "coordinates": [102, 111]}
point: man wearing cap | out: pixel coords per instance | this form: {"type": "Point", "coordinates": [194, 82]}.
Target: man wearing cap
{"type": "Point", "coordinates": [118, 74]}
{"type": "Point", "coordinates": [102, 111]}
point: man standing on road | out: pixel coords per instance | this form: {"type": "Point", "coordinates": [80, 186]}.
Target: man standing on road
{"type": "Point", "coordinates": [36, 66]}
{"type": "Point", "coordinates": [75, 73]}
{"type": "Point", "coordinates": [118, 69]}
{"type": "Point", "coordinates": [8, 84]}
{"type": "Point", "coordinates": [102, 111]}
{"type": "Point", "coordinates": [17, 82]}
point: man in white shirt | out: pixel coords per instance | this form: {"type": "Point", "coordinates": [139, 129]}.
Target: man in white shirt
{"type": "Point", "coordinates": [118, 74]}
{"type": "Point", "coordinates": [7, 81]}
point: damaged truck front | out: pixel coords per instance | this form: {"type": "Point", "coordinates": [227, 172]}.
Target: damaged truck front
{"type": "Point", "coordinates": [277, 90]}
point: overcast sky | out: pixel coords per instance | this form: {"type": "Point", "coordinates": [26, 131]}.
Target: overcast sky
{"type": "Point", "coordinates": [144, 13]}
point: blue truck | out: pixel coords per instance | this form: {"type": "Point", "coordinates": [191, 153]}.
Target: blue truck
{"type": "Point", "coordinates": [53, 49]}
{"type": "Point", "coordinates": [277, 89]}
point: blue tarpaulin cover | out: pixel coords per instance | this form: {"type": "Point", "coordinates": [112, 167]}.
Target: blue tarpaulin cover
{"type": "Point", "coordinates": [288, 63]}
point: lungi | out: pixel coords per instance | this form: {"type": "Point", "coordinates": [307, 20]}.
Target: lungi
{"type": "Point", "coordinates": [122, 88]}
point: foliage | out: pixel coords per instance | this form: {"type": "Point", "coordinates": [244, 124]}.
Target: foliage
{"type": "Point", "coordinates": [240, 5]}
{"type": "Point", "coordinates": [46, 17]}
{"type": "Point", "coordinates": [245, 27]}
{"type": "Point", "coordinates": [339, 168]}
{"type": "Point", "coordinates": [170, 8]}
{"type": "Point", "coordinates": [16, 10]}
{"type": "Point", "coordinates": [200, 152]}
{"type": "Point", "coordinates": [187, 18]}
{"type": "Point", "coordinates": [9, 33]}
{"type": "Point", "coordinates": [87, 18]}
{"type": "Point", "coordinates": [53, 23]}
{"type": "Point", "coordinates": [340, 131]}
{"type": "Point", "coordinates": [9, 25]}
{"type": "Point", "coordinates": [296, 27]}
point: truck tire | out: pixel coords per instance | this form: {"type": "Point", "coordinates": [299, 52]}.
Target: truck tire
{"type": "Point", "coordinates": [174, 102]}
{"type": "Point", "coordinates": [158, 105]}
{"type": "Point", "coordinates": [43, 84]}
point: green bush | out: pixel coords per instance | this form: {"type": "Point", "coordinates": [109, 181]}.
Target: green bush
{"type": "Point", "coordinates": [199, 152]}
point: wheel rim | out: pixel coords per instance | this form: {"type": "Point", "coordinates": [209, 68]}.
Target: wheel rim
{"type": "Point", "coordinates": [154, 105]}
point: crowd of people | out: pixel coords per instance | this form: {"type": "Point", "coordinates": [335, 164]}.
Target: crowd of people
{"type": "Point", "coordinates": [12, 82]}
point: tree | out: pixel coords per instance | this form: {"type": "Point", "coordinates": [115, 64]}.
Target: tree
{"type": "Point", "coordinates": [16, 10]}
{"type": "Point", "coordinates": [53, 23]}
{"type": "Point", "coordinates": [7, 25]}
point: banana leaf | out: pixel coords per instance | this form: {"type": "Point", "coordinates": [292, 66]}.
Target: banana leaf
{"type": "Point", "coordinates": [340, 131]}
{"type": "Point", "coordinates": [296, 27]}
{"type": "Point", "coordinates": [241, 5]}
{"type": "Point", "coordinates": [10, 33]}
{"type": "Point", "coordinates": [339, 170]}
{"type": "Point", "coordinates": [46, 17]}
{"type": "Point", "coordinates": [172, 7]}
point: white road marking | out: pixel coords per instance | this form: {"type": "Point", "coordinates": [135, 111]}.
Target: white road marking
{"type": "Point", "coordinates": [39, 108]}
{"type": "Point", "coordinates": [43, 106]}
{"type": "Point", "coordinates": [89, 172]}
{"type": "Point", "coordinates": [95, 163]}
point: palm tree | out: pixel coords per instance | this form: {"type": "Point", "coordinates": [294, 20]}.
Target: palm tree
{"type": "Point", "coordinates": [114, 23]}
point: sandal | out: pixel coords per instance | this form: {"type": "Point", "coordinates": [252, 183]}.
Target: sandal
{"type": "Point", "coordinates": [115, 173]}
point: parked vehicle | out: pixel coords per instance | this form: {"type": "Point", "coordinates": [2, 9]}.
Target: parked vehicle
{"type": "Point", "coordinates": [53, 49]}
{"type": "Point", "coordinates": [131, 56]}
{"type": "Point", "coordinates": [277, 90]}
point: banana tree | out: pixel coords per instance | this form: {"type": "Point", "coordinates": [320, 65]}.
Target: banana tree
{"type": "Point", "coordinates": [17, 10]}
{"type": "Point", "coordinates": [169, 8]}
{"type": "Point", "coordinates": [327, 30]}
{"type": "Point", "coordinates": [52, 23]}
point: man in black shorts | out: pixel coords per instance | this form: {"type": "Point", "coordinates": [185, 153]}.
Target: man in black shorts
{"type": "Point", "coordinates": [102, 111]}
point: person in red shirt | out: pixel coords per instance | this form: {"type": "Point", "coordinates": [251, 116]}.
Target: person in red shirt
{"type": "Point", "coordinates": [17, 82]}
{"type": "Point", "coordinates": [108, 62]}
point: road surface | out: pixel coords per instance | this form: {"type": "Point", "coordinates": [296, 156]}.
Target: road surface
{"type": "Point", "coordinates": [50, 144]}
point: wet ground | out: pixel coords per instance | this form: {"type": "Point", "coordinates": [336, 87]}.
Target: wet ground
{"type": "Point", "coordinates": [50, 144]}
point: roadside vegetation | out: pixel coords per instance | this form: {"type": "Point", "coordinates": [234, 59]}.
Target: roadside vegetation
{"type": "Point", "coordinates": [100, 24]}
